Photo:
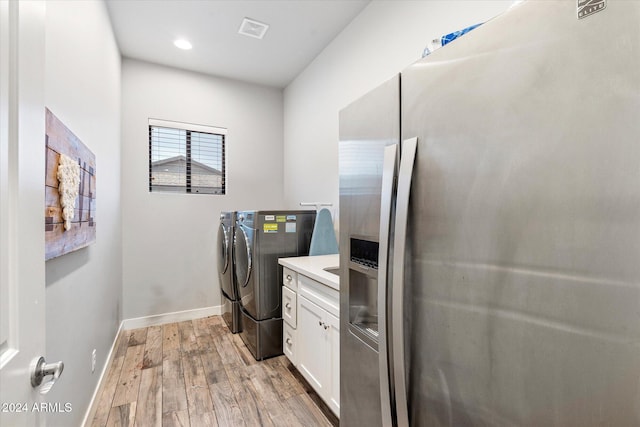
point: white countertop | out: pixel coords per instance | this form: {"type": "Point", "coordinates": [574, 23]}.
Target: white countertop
{"type": "Point", "coordinates": [313, 267]}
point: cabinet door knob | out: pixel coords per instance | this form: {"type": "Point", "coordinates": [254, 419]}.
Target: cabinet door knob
{"type": "Point", "coordinates": [288, 341]}
{"type": "Point", "coordinates": [287, 305]}
{"type": "Point", "coordinates": [289, 277]}
{"type": "Point", "coordinates": [320, 323]}
{"type": "Point", "coordinates": [326, 327]}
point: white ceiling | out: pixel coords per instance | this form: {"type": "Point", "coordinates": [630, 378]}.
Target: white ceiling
{"type": "Point", "coordinates": [298, 31]}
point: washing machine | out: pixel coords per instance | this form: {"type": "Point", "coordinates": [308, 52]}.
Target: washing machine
{"type": "Point", "coordinates": [261, 238]}
{"type": "Point", "coordinates": [226, 272]}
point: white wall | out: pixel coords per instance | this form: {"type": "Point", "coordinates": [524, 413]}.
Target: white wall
{"type": "Point", "coordinates": [170, 239]}
{"type": "Point", "coordinates": [83, 288]}
{"type": "Point", "coordinates": [381, 41]}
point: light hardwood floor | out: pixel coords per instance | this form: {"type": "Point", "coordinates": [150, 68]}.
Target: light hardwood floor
{"type": "Point", "coordinates": [196, 373]}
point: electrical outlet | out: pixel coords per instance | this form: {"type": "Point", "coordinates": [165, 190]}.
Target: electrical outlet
{"type": "Point", "coordinates": [93, 360]}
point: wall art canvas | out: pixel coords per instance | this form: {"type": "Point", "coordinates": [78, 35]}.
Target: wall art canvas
{"type": "Point", "coordinates": [70, 191]}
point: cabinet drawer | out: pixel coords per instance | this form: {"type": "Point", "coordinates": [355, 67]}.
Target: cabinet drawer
{"type": "Point", "coordinates": [325, 297]}
{"type": "Point", "coordinates": [289, 343]}
{"type": "Point", "coordinates": [289, 307]}
{"type": "Point", "coordinates": [289, 278]}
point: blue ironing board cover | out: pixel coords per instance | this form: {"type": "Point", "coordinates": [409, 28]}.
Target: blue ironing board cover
{"type": "Point", "coordinates": [323, 239]}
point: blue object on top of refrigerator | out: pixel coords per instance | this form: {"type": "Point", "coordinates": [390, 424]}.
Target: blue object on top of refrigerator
{"type": "Point", "coordinates": [446, 39]}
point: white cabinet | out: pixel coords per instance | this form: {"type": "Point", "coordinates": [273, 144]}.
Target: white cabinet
{"type": "Point", "coordinates": [311, 330]}
{"type": "Point", "coordinates": [319, 339]}
{"type": "Point", "coordinates": [289, 307]}
{"type": "Point", "coordinates": [334, 370]}
{"type": "Point", "coordinates": [319, 351]}
{"type": "Point", "coordinates": [289, 341]}
{"type": "Point", "coordinates": [289, 313]}
{"type": "Point", "coordinates": [289, 278]}
{"type": "Point", "coordinates": [313, 362]}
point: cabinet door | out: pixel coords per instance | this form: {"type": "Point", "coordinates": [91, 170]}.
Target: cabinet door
{"type": "Point", "coordinates": [333, 332]}
{"type": "Point", "coordinates": [289, 278]}
{"type": "Point", "coordinates": [289, 307]}
{"type": "Point", "coordinates": [313, 362]}
{"type": "Point", "coordinates": [289, 338]}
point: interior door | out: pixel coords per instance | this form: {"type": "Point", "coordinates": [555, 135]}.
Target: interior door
{"type": "Point", "coordinates": [22, 272]}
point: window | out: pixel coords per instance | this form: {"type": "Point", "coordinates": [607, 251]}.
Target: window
{"type": "Point", "coordinates": [186, 158]}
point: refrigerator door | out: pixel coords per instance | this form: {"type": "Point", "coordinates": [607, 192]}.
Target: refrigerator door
{"type": "Point", "coordinates": [366, 127]}
{"type": "Point", "coordinates": [523, 294]}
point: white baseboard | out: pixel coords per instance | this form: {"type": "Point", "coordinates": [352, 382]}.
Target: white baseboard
{"type": "Point", "coordinates": [176, 316]}
{"type": "Point", "coordinates": [91, 411]}
{"type": "Point", "coordinates": [143, 322]}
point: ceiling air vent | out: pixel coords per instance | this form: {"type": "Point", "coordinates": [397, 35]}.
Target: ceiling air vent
{"type": "Point", "coordinates": [253, 28]}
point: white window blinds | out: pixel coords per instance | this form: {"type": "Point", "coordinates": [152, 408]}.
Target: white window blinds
{"type": "Point", "coordinates": [186, 158]}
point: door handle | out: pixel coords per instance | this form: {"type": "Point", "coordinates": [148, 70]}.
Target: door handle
{"type": "Point", "coordinates": [405, 175]}
{"type": "Point", "coordinates": [389, 171]}
{"type": "Point", "coordinates": [40, 369]}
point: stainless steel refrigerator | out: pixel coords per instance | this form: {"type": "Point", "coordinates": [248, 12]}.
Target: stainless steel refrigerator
{"type": "Point", "coordinates": [490, 228]}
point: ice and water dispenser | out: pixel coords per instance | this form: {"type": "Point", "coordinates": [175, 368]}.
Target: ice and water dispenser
{"type": "Point", "coordinates": [363, 289]}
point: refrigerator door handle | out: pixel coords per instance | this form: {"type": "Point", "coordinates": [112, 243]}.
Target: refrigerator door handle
{"type": "Point", "coordinates": [405, 174]}
{"type": "Point", "coordinates": [389, 171]}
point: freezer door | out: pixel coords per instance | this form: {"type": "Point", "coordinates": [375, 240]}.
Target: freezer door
{"type": "Point", "coordinates": [367, 127]}
{"type": "Point", "coordinates": [523, 294]}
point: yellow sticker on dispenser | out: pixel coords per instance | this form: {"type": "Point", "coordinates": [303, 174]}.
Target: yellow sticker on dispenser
{"type": "Point", "coordinates": [281, 218]}
{"type": "Point", "coordinates": [270, 227]}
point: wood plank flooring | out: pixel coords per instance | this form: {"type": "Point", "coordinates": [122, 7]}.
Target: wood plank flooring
{"type": "Point", "coordinates": [196, 373]}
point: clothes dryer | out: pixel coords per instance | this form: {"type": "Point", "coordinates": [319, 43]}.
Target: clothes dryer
{"type": "Point", "coordinates": [261, 238]}
{"type": "Point", "coordinates": [226, 272]}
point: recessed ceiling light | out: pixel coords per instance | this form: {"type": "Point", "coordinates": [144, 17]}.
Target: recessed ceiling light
{"type": "Point", "coordinates": [253, 28]}
{"type": "Point", "coordinates": [182, 44]}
